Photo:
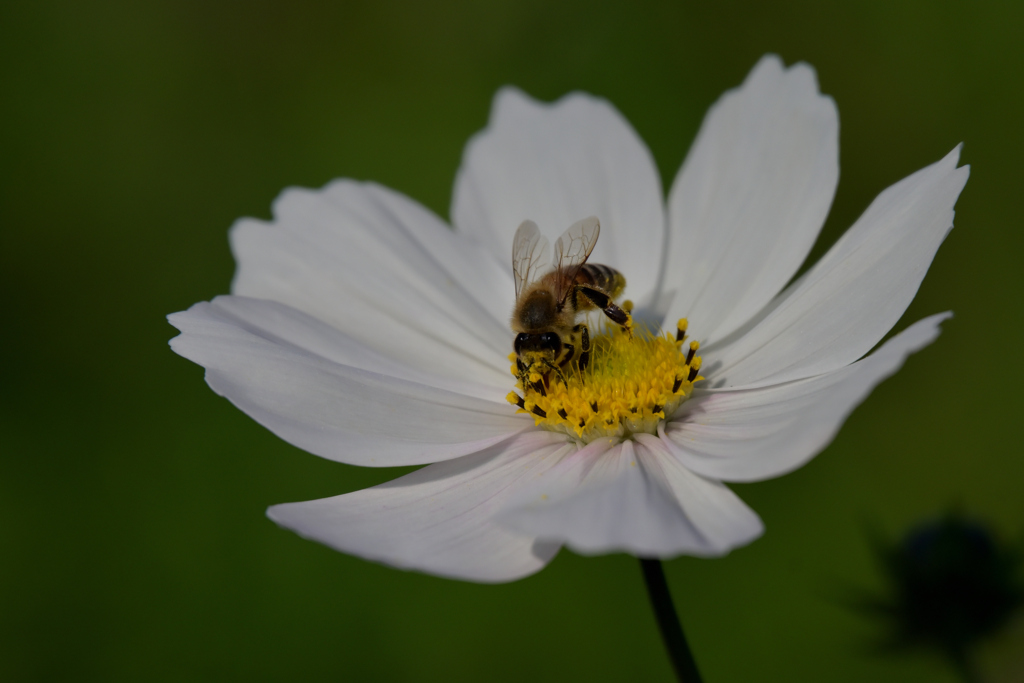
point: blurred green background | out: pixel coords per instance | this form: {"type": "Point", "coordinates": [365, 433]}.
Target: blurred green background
{"type": "Point", "coordinates": [134, 545]}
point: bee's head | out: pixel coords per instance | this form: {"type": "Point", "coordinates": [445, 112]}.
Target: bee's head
{"type": "Point", "coordinates": [537, 347]}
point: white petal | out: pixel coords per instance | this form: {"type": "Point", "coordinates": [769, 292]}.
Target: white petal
{"type": "Point", "coordinates": [753, 434]}
{"type": "Point", "coordinates": [336, 411]}
{"type": "Point", "coordinates": [291, 327]}
{"type": "Point", "coordinates": [855, 293]}
{"type": "Point", "coordinates": [751, 197]}
{"type": "Point", "coordinates": [722, 519]}
{"type": "Point", "coordinates": [438, 519]}
{"type": "Point", "coordinates": [556, 164]}
{"type": "Point", "coordinates": [632, 498]}
{"type": "Point", "coordinates": [385, 270]}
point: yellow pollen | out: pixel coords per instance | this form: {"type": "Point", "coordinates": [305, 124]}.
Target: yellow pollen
{"type": "Point", "coordinates": [634, 381]}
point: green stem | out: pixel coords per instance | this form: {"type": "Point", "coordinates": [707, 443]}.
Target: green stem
{"type": "Point", "coordinates": [668, 622]}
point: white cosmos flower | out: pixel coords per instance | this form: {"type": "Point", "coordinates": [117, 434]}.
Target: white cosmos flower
{"type": "Point", "coordinates": [363, 329]}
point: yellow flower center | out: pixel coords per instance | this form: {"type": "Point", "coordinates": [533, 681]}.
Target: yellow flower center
{"type": "Point", "coordinates": [633, 382]}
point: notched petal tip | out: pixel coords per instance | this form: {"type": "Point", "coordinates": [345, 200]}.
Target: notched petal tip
{"type": "Point", "coordinates": [510, 102]}
{"type": "Point", "coordinates": [772, 67]}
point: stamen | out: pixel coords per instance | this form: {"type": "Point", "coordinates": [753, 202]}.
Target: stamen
{"type": "Point", "coordinates": [694, 345]}
{"type": "Point", "coordinates": [681, 329]}
{"type": "Point", "coordinates": [694, 369]}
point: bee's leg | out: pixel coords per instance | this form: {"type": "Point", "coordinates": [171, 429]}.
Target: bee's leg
{"type": "Point", "coordinates": [605, 303]}
{"type": "Point", "coordinates": [524, 372]}
{"type": "Point", "coordinates": [568, 351]}
{"type": "Point", "coordinates": [584, 334]}
{"type": "Point", "coordinates": [566, 355]}
{"type": "Point", "coordinates": [558, 371]}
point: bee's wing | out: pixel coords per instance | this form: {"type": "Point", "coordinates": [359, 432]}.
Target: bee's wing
{"type": "Point", "coordinates": [572, 250]}
{"type": "Point", "coordinates": [528, 250]}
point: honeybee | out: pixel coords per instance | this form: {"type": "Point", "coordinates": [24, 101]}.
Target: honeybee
{"type": "Point", "coordinates": [548, 338]}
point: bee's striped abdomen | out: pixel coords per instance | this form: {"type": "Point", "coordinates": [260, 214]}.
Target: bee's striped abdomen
{"type": "Point", "coordinates": [603, 277]}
